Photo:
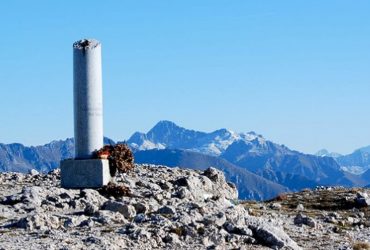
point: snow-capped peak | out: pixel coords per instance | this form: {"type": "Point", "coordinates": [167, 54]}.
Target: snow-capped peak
{"type": "Point", "coordinates": [166, 134]}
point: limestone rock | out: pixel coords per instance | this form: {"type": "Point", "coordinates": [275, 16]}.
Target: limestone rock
{"type": "Point", "coordinates": [127, 211]}
{"type": "Point", "coordinates": [362, 199]}
{"type": "Point", "coordinates": [269, 235]}
{"type": "Point", "coordinates": [34, 172]}
{"type": "Point", "coordinates": [303, 219]}
{"type": "Point", "coordinates": [168, 208]}
{"type": "Point", "coordinates": [300, 207]}
{"type": "Point", "coordinates": [92, 196]}
{"type": "Point", "coordinates": [38, 221]}
{"type": "Point", "coordinates": [91, 209]}
{"type": "Point", "coordinates": [275, 206]}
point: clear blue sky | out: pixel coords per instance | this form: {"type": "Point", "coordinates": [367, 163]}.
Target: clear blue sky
{"type": "Point", "coordinates": [297, 72]}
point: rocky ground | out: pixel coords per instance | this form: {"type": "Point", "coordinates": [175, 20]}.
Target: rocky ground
{"type": "Point", "coordinates": [324, 218]}
{"type": "Point", "coordinates": [172, 208]}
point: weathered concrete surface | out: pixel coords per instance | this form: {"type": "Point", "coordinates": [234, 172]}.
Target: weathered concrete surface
{"type": "Point", "coordinates": [90, 173]}
{"type": "Point", "coordinates": [88, 97]}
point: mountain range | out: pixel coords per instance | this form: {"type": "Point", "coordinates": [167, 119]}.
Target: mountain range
{"type": "Point", "coordinates": [166, 134]}
{"type": "Point", "coordinates": [357, 162]}
{"type": "Point", "coordinates": [261, 169]}
{"type": "Point", "coordinates": [249, 151]}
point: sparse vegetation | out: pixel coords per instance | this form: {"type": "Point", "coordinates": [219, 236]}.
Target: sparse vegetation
{"type": "Point", "coordinates": [115, 190]}
{"type": "Point", "coordinates": [280, 197]}
{"type": "Point", "coordinates": [120, 158]}
{"type": "Point", "coordinates": [361, 246]}
{"type": "Point", "coordinates": [180, 231]}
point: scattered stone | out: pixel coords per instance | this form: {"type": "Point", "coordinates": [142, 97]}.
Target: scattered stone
{"type": "Point", "coordinates": [171, 238]}
{"type": "Point", "coordinates": [216, 219]}
{"type": "Point", "coordinates": [139, 218]}
{"type": "Point", "coordinates": [38, 222]}
{"type": "Point", "coordinates": [34, 172]}
{"type": "Point", "coordinates": [93, 197]}
{"type": "Point", "coordinates": [362, 199]}
{"type": "Point", "coordinates": [235, 229]}
{"type": "Point", "coordinates": [328, 188]}
{"type": "Point", "coordinates": [73, 221]}
{"type": "Point", "coordinates": [91, 209]}
{"type": "Point", "coordinates": [167, 210]}
{"type": "Point", "coordinates": [275, 206]}
{"type": "Point", "coordinates": [301, 219]}
{"type": "Point", "coordinates": [300, 207]}
{"type": "Point", "coordinates": [127, 211]}
{"type": "Point", "coordinates": [87, 223]}
{"type": "Point", "coordinates": [269, 235]}
{"type": "Point", "coordinates": [183, 193]}
{"type": "Point", "coordinates": [214, 175]}
{"type": "Point", "coordinates": [107, 217]}
{"type": "Point", "coordinates": [141, 208]}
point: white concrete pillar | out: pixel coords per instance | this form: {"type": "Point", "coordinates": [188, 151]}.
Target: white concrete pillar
{"type": "Point", "coordinates": [88, 97]}
{"type": "Point", "coordinates": [84, 172]}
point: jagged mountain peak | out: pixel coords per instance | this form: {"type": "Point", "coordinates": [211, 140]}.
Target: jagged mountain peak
{"type": "Point", "coordinates": [167, 134]}
{"type": "Point", "coordinates": [166, 125]}
{"type": "Point", "coordinates": [322, 152]}
{"type": "Point", "coordinates": [166, 128]}
{"type": "Point", "coordinates": [223, 131]}
{"type": "Point", "coordinates": [326, 153]}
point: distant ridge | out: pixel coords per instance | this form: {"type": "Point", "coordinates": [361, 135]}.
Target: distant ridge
{"type": "Point", "coordinates": [357, 162]}
{"type": "Point", "coordinates": [16, 157]}
{"type": "Point", "coordinates": [248, 159]}
{"type": "Point", "coordinates": [326, 153]}
{"type": "Point", "coordinates": [250, 151]}
{"type": "Point", "coordinates": [166, 134]}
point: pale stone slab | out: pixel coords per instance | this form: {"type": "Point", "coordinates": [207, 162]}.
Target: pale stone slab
{"type": "Point", "coordinates": [89, 173]}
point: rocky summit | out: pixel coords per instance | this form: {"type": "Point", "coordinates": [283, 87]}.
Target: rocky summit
{"type": "Point", "coordinates": [171, 208]}
{"type": "Point", "coordinates": [163, 208]}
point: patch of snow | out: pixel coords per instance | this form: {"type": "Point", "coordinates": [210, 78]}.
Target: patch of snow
{"type": "Point", "coordinates": [357, 170]}
{"type": "Point", "coordinates": [147, 145]}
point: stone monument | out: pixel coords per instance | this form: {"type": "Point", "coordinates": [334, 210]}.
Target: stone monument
{"type": "Point", "coordinates": [83, 171]}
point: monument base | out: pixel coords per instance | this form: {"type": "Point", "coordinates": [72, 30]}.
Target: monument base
{"type": "Point", "coordinates": [90, 173]}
